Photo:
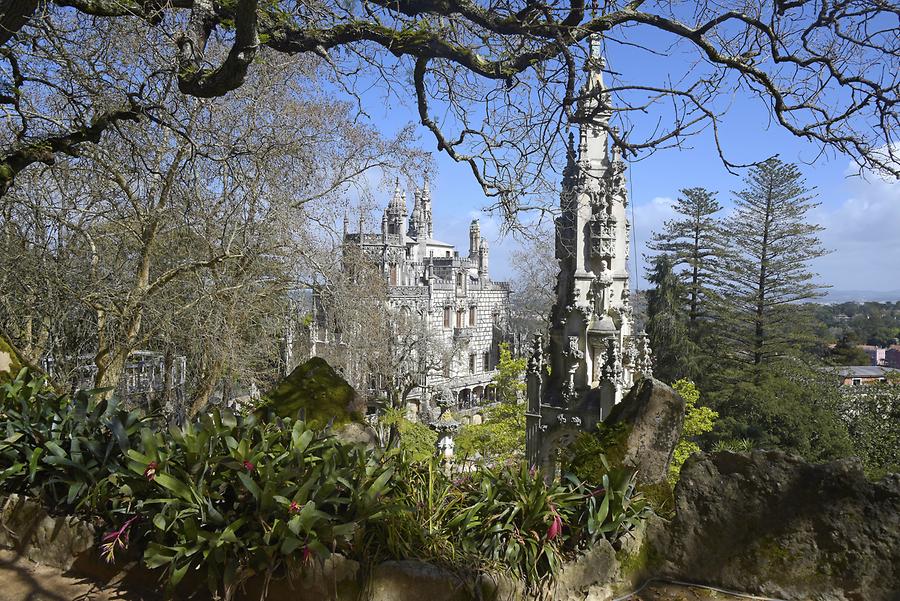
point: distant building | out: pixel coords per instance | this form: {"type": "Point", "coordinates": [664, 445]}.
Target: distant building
{"type": "Point", "coordinates": [876, 354]}
{"type": "Point", "coordinates": [892, 356]}
{"type": "Point", "coordinates": [862, 375]}
{"type": "Point", "coordinates": [460, 304]}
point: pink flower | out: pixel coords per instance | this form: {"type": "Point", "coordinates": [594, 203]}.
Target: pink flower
{"type": "Point", "coordinates": [555, 526]}
{"type": "Point", "coordinates": [115, 539]}
{"type": "Point", "coordinates": [305, 554]}
{"type": "Point", "coordinates": [294, 508]}
{"type": "Point", "coordinates": [150, 472]}
{"type": "Point", "coordinates": [248, 465]}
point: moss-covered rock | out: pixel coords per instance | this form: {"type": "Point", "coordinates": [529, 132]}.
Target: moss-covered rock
{"type": "Point", "coordinates": [316, 392]}
{"type": "Point", "coordinates": [648, 424]}
{"type": "Point", "coordinates": [10, 361]}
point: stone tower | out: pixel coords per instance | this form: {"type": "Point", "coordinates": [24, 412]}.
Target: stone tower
{"type": "Point", "coordinates": [593, 355]}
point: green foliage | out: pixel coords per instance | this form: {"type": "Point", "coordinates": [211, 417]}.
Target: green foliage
{"type": "Point", "coordinates": [698, 420]}
{"type": "Point", "coordinates": [317, 392]}
{"type": "Point", "coordinates": [872, 413]}
{"type": "Point", "coordinates": [67, 452]}
{"type": "Point", "coordinates": [788, 407]}
{"type": "Point", "coordinates": [666, 322]}
{"type": "Point", "coordinates": [229, 497]}
{"type": "Point", "coordinates": [509, 380]}
{"type": "Point", "coordinates": [846, 352]}
{"type": "Point", "coordinates": [500, 437]}
{"type": "Point", "coordinates": [591, 453]}
{"type": "Point", "coordinates": [767, 245]}
{"type": "Point", "coordinates": [739, 445]}
{"type": "Point", "coordinates": [417, 440]}
{"type": "Point", "coordinates": [870, 322]}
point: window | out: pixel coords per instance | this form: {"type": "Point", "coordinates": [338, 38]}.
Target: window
{"type": "Point", "coordinates": [496, 318]}
{"type": "Point", "coordinates": [459, 279]}
{"type": "Point", "coordinates": [472, 317]}
{"type": "Point", "coordinates": [446, 317]}
{"type": "Point", "coordinates": [446, 369]}
{"type": "Point", "coordinates": [472, 363]}
{"type": "Point", "coordinates": [857, 381]}
{"type": "Point", "coordinates": [393, 276]}
{"type": "Point", "coordinates": [487, 361]}
{"type": "Point", "coordinates": [460, 318]}
{"type": "Point", "coordinates": [448, 253]}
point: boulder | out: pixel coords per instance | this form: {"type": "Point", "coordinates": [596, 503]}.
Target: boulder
{"type": "Point", "coordinates": [318, 394]}
{"type": "Point", "coordinates": [10, 361]}
{"type": "Point", "coordinates": [773, 524]}
{"type": "Point", "coordinates": [645, 428]}
{"type": "Point", "coordinates": [57, 541]}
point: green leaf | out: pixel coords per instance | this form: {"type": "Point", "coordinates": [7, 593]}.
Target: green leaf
{"type": "Point", "coordinates": [174, 485]}
{"type": "Point", "coordinates": [249, 484]}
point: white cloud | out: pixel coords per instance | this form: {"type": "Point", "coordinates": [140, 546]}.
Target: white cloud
{"type": "Point", "coordinates": [648, 218]}
{"type": "Point", "coordinates": [863, 231]}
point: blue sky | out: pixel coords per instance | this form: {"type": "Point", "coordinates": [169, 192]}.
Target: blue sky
{"type": "Point", "coordinates": [861, 215]}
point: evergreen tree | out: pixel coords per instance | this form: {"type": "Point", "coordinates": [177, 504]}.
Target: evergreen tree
{"type": "Point", "coordinates": [846, 352]}
{"type": "Point", "coordinates": [691, 243]}
{"type": "Point", "coordinates": [763, 273]}
{"type": "Point", "coordinates": [666, 322]}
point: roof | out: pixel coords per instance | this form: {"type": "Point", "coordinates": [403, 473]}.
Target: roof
{"type": "Point", "coordinates": [863, 371]}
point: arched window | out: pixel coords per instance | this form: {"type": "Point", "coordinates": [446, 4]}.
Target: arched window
{"type": "Point", "coordinates": [393, 274]}
{"type": "Point", "coordinates": [446, 317]}
{"type": "Point", "coordinates": [472, 316]}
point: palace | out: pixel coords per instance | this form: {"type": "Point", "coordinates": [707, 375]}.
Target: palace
{"type": "Point", "coordinates": [460, 306]}
{"type": "Point", "coordinates": [593, 356]}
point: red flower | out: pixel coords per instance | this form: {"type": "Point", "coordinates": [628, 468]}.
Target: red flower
{"type": "Point", "coordinates": [555, 526]}
{"type": "Point", "coordinates": [248, 465]}
{"type": "Point", "coordinates": [294, 508]}
{"type": "Point", "coordinates": [117, 539]}
{"type": "Point", "coordinates": [150, 472]}
{"type": "Point", "coordinates": [305, 554]}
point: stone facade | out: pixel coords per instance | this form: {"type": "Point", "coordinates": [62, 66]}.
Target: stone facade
{"type": "Point", "coordinates": [593, 354]}
{"type": "Point", "coordinates": [461, 307]}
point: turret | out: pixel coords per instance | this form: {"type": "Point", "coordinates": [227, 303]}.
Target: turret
{"type": "Point", "coordinates": [594, 355]}
{"type": "Point", "coordinates": [415, 221]}
{"type": "Point", "coordinates": [483, 259]}
{"type": "Point", "coordinates": [474, 239]}
{"type": "Point", "coordinates": [426, 225]}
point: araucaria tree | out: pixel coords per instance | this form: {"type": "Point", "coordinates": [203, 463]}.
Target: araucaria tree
{"type": "Point", "coordinates": [690, 242]}
{"type": "Point", "coordinates": [672, 350]}
{"type": "Point", "coordinates": [764, 272]}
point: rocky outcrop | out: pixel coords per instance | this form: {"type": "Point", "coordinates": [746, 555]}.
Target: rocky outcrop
{"type": "Point", "coordinates": [27, 528]}
{"type": "Point", "coordinates": [318, 394]}
{"type": "Point", "coordinates": [649, 420]}
{"type": "Point", "coordinates": [774, 524]}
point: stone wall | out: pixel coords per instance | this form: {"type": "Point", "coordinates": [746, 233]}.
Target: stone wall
{"type": "Point", "coordinates": [57, 541]}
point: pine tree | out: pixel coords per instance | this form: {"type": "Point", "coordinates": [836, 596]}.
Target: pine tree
{"type": "Point", "coordinates": [767, 245]}
{"type": "Point", "coordinates": [666, 322]}
{"type": "Point", "coordinates": [691, 243]}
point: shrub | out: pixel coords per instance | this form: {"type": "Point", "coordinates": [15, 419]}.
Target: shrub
{"type": "Point", "coordinates": [234, 496]}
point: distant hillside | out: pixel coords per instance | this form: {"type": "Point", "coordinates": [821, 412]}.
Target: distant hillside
{"type": "Point", "coordinates": [861, 296]}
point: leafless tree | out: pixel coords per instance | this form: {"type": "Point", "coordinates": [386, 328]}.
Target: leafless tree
{"type": "Point", "coordinates": [185, 229]}
{"type": "Point", "coordinates": [495, 81]}
{"type": "Point", "coordinates": [380, 347]}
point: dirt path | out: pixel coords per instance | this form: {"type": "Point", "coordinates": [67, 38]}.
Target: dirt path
{"type": "Point", "coordinates": [22, 580]}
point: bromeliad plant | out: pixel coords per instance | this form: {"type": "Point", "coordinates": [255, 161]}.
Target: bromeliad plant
{"type": "Point", "coordinates": [238, 498]}
{"type": "Point", "coordinates": [66, 451]}
{"type": "Point", "coordinates": [232, 497]}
